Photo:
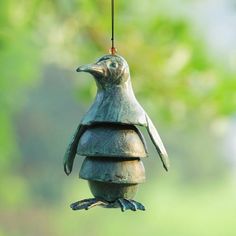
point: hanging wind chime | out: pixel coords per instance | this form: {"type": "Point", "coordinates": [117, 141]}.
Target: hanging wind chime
{"type": "Point", "coordinates": [109, 138]}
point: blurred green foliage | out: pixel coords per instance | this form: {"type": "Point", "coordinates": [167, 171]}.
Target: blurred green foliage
{"type": "Point", "coordinates": [174, 77]}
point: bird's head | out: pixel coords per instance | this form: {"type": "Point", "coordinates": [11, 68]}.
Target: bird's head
{"type": "Point", "coordinates": [108, 70]}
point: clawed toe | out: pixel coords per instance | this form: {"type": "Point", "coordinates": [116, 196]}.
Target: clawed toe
{"type": "Point", "coordinates": [139, 206]}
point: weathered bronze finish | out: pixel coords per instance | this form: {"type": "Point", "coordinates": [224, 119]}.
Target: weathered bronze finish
{"type": "Point", "coordinates": [120, 171]}
{"type": "Point", "coordinates": [108, 136]}
{"type": "Point", "coordinates": [111, 192]}
{"type": "Point", "coordinates": [112, 141]}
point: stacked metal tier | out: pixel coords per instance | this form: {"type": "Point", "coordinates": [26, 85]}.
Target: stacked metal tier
{"type": "Point", "coordinates": [112, 165]}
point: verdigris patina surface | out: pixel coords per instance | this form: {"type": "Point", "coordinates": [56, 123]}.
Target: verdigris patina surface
{"type": "Point", "coordinates": [110, 140]}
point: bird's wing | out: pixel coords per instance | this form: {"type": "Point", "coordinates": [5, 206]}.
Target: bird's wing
{"type": "Point", "coordinates": [155, 137]}
{"type": "Point", "coordinates": [72, 148]}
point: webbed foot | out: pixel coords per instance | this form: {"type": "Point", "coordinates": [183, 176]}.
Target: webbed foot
{"type": "Point", "coordinates": [132, 205]}
{"type": "Point", "coordinates": [86, 204]}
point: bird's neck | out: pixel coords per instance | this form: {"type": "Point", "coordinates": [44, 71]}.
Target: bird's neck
{"type": "Point", "coordinates": [124, 87]}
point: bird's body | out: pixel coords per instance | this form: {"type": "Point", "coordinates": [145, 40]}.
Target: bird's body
{"type": "Point", "coordinates": [110, 140]}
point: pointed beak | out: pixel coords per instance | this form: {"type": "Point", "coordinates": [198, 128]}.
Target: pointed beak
{"type": "Point", "coordinates": [93, 69]}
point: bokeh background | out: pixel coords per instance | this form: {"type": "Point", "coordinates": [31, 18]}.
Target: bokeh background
{"type": "Point", "coordinates": [182, 56]}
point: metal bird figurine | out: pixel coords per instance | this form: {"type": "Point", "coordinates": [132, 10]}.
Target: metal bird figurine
{"type": "Point", "coordinates": [110, 140]}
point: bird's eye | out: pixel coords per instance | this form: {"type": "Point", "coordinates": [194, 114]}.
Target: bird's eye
{"type": "Point", "coordinates": [113, 65]}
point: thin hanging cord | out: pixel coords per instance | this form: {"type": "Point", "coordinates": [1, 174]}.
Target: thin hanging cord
{"type": "Point", "coordinates": [112, 20]}
{"type": "Point", "coordinates": [113, 49]}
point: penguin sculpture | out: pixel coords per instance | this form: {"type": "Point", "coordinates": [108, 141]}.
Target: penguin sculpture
{"type": "Point", "coordinates": [109, 139]}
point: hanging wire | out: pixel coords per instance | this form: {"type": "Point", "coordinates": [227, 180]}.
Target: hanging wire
{"type": "Point", "coordinates": [113, 49]}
